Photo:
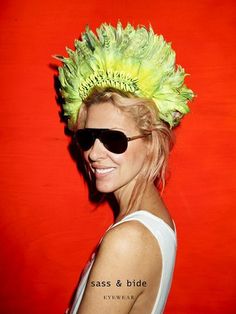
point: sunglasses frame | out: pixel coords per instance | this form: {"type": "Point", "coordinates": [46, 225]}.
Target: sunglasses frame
{"type": "Point", "coordinates": [96, 133]}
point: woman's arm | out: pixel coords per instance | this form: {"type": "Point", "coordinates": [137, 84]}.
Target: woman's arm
{"type": "Point", "coordinates": [128, 262]}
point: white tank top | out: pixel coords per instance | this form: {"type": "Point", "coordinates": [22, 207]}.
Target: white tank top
{"type": "Point", "coordinates": [166, 238]}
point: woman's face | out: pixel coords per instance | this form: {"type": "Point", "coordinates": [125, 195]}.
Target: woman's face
{"type": "Point", "coordinates": [114, 172]}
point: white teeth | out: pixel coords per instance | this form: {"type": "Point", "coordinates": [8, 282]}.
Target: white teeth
{"type": "Point", "coordinates": [104, 170]}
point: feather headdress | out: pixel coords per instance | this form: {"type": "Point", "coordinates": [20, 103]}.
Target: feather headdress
{"type": "Point", "coordinates": [128, 59]}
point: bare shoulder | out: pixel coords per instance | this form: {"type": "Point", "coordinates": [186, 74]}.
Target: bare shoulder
{"type": "Point", "coordinates": [128, 263]}
{"type": "Point", "coordinates": [132, 250]}
{"type": "Point", "coordinates": [132, 240]}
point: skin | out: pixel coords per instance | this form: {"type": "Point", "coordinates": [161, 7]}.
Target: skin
{"type": "Point", "coordinates": [116, 258]}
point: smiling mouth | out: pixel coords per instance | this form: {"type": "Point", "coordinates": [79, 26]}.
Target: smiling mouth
{"type": "Point", "coordinates": [102, 170]}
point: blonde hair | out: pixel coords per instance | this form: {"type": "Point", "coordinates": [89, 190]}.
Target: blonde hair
{"type": "Point", "coordinates": [145, 114]}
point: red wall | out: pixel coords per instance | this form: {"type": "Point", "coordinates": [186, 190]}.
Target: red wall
{"type": "Point", "coordinates": [48, 228]}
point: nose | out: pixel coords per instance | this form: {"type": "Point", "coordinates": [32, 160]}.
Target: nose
{"type": "Point", "coordinates": [97, 151]}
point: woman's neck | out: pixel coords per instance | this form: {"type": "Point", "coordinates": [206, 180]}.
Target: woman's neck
{"type": "Point", "coordinates": [149, 200]}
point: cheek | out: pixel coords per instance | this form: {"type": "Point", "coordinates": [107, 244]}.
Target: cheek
{"type": "Point", "coordinates": [86, 156]}
{"type": "Point", "coordinates": [135, 155]}
{"type": "Point", "coordinates": [86, 160]}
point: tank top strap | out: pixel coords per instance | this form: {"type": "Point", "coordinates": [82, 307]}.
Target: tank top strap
{"type": "Point", "coordinates": [147, 217]}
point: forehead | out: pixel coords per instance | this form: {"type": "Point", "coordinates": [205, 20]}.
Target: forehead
{"type": "Point", "coordinates": [106, 115]}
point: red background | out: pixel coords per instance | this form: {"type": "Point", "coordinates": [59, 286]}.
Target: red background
{"type": "Point", "coordinates": [48, 227]}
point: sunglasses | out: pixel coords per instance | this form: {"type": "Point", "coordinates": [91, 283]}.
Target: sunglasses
{"type": "Point", "coordinates": [114, 141]}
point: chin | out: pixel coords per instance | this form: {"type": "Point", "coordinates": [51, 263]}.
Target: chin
{"type": "Point", "coordinates": [104, 188]}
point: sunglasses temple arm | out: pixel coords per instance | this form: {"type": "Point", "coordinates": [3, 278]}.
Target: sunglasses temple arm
{"type": "Point", "coordinates": [136, 137]}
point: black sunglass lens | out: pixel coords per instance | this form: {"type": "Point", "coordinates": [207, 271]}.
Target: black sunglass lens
{"type": "Point", "coordinates": [85, 139]}
{"type": "Point", "coordinates": [114, 141]}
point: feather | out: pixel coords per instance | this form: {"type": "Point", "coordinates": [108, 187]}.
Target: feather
{"type": "Point", "coordinates": [129, 59]}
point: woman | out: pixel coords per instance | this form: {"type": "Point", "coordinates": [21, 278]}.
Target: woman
{"type": "Point", "coordinates": [123, 94]}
